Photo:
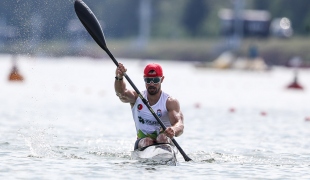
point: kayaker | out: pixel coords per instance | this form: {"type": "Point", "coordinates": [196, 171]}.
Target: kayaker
{"type": "Point", "coordinates": [166, 107]}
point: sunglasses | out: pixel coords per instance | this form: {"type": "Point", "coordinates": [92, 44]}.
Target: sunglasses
{"type": "Point", "coordinates": [155, 80]}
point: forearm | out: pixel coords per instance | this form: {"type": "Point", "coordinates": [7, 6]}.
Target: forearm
{"type": "Point", "coordinates": [125, 95]}
{"type": "Point", "coordinates": [177, 122]}
{"type": "Point", "coordinates": [178, 129]}
{"type": "Point", "coordinates": [119, 86]}
{"type": "Point", "coordinates": [175, 116]}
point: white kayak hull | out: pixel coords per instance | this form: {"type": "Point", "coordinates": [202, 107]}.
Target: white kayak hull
{"type": "Point", "coordinates": [163, 153]}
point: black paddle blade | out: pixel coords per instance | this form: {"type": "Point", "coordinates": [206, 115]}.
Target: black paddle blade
{"type": "Point", "coordinates": [90, 22]}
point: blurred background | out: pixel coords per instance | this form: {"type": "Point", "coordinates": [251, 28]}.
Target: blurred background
{"type": "Point", "coordinates": [245, 110]}
{"type": "Point", "coordinates": [217, 33]}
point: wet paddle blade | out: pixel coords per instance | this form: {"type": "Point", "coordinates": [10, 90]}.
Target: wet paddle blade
{"type": "Point", "coordinates": [90, 22]}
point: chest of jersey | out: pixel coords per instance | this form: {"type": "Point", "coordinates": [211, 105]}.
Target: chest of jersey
{"type": "Point", "coordinates": [144, 119]}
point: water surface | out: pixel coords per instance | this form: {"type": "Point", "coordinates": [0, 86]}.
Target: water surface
{"type": "Point", "coordinates": [65, 122]}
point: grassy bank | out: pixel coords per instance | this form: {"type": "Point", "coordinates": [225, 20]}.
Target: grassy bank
{"type": "Point", "coordinates": [274, 51]}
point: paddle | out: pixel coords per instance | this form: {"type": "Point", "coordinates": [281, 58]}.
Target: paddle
{"type": "Point", "coordinates": [93, 27]}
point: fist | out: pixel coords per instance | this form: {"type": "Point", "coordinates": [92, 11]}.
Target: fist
{"type": "Point", "coordinates": [120, 70]}
{"type": "Point", "coordinates": [170, 132]}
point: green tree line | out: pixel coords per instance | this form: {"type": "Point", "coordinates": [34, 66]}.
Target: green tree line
{"type": "Point", "coordinates": [169, 19]}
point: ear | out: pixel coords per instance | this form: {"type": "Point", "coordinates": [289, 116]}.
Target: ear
{"type": "Point", "coordinates": [162, 79]}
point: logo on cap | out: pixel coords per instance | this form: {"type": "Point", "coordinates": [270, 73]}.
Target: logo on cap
{"type": "Point", "coordinates": [152, 72]}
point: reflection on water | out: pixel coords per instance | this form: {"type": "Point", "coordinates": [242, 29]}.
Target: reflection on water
{"type": "Point", "coordinates": [65, 122]}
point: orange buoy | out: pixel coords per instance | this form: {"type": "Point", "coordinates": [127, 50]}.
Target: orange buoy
{"type": "Point", "coordinates": [14, 74]}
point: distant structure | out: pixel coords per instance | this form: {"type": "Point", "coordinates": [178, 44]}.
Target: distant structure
{"type": "Point", "coordinates": [7, 32]}
{"type": "Point", "coordinates": [36, 23]}
{"type": "Point", "coordinates": [281, 27]}
{"type": "Point", "coordinates": [228, 60]}
{"type": "Point", "coordinates": [144, 24]}
{"type": "Point", "coordinates": [252, 22]}
{"type": "Point", "coordinates": [14, 74]}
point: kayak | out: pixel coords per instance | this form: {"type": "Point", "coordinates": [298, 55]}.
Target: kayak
{"type": "Point", "coordinates": [163, 153]}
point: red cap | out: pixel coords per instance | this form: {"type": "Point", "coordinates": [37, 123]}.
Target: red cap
{"type": "Point", "coordinates": [153, 70]}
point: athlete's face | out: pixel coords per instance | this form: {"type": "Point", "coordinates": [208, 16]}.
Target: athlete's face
{"type": "Point", "coordinates": [153, 84]}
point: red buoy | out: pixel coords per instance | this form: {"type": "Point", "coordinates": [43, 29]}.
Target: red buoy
{"type": "Point", "coordinates": [295, 84]}
{"type": "Point", "coordinates": [263, 113]}
{"type": "Point", "coordinates": [232, 110]}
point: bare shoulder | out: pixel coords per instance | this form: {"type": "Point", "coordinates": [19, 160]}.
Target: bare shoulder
{"type": "Point", "coordinates": [172, 104]}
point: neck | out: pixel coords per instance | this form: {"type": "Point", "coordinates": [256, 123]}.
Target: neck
{"type": "Point", "coordinates": [152, 99]}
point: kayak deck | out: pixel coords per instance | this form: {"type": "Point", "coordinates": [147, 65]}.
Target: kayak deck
{"type": "Point", "coordinates": [157, 153]}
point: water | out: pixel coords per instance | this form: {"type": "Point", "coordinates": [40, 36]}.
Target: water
{"type": "Point", "coordinates": [65, 122]}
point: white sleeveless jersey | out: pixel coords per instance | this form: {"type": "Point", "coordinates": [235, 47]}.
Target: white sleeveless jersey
{"type": "Point", "coordinates": [146, 124]}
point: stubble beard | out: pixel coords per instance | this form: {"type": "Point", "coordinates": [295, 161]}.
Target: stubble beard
{"type": "Point", "coordinates": [153, 90]}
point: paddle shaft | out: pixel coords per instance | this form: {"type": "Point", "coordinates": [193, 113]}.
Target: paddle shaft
{"type": "Point", "coordinates": [147, 105]}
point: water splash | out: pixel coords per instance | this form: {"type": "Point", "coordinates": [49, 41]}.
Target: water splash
{"type": "Point", "coordinates": [38, 140]}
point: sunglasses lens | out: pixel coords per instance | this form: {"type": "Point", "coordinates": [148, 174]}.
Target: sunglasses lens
{"type": "Point", "coordinates": [147, 80]}
{"type": "Point", "coordinates": [155, 80]}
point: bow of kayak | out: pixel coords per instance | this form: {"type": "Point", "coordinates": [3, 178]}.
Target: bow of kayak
{"type": "Point", "coordinates": [158, 153]}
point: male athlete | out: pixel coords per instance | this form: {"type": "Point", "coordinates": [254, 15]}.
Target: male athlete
{"type": "Point", "coordinates": [167, 108]}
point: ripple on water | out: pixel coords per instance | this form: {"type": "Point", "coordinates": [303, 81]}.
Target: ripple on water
{"type": "Point", "coordinates": [110, 154]}
{"type": "Point", "coordinates": [289, 160]}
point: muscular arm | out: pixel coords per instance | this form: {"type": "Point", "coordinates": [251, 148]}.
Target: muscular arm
{"type": "Point", "coordinates": [176, 118]}
{"type": "Point", "coordinates": [125, 95]}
